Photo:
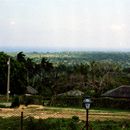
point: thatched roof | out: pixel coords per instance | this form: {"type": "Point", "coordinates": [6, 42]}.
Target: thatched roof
{"type": "Point", "coordinates": [72, 93]}
{"type": "Point", "coordinates": [31, 90]}
{"type": "Point", "coordinates": [120, 92]}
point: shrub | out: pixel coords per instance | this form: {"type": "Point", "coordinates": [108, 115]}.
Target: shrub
{"type": "Point", "coordinates": [30, 123]}
{"type": "Point", "coordinates": [52, 124]}
{"type": "Point", "coordinates": [75, 118]}
{"type": "Point", "coordinates": [31, 99]}
{"type": "Point", "coordinates": [15, 102]}
{"type": "Point", "coordinates": [3, 106]}
{"type": "Point", "coordinates": [111, 103]}
{"type": "Point", "coordinates": [66, 101]}
{"type": "Point", "coordinates": [114, 103]}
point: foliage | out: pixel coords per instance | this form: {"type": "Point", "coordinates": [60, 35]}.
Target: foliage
{"type": "Point", "coordinates": [3, 106]}
{"type": "Point", "coordinates": [110, 125]}
{"type": "Point", "coordinates": [52, 124]}
{"type": "Point", "coordinates": [15, 102]}
{"type": "Point", "coordinates": [31, 99]}
{"type": "Point", "coordinates": [75, 118]}
{"type": "Point", "coordinates": [71, 58]}
{"type": "Point", "coordinates": [13, 123]}
{"type": "Point", "coordinates": [111, 103]}
{"type": "Point", "coordinates": [53, 73]}
{"type": "Point", "coordinates": [65, 101]}
{"type": "Point", "coordinates": [3, 71]}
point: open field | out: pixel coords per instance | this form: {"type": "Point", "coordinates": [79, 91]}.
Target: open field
{"type": "Point", "coordinates": [52, 112]}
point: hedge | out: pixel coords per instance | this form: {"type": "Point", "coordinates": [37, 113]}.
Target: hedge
{"type": "Point", "coordinates": [65, 101]}
{"type": "Point", "coordinates": [114, 103]}
{"type": "Point", "coordinates": [32, 99]}
{"type": "Point", "coordinates": [68, 101]}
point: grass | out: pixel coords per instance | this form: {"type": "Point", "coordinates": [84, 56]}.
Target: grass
{"type": "Point", "coordinates": [110, 110]}
{"type": "Point", "coordinates": [44, 112]}
{"type": "Point", "coordinates": [29, 123]}
{"type": "Point", "coordinates": [94, 114]}
{"type": "Point", "coordinates": [100, 119]}
{"type": "Point", "coordinates": [98, 110]}
{"type": "Point", "coordinates": [9, 123]}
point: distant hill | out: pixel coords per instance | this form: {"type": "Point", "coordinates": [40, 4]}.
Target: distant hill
{"type": "Point", "coordinates": [77, 57]}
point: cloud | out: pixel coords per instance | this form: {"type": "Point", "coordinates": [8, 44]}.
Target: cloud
{"type": "Point", "coordinates": [117, 27]}
{"type": "Point", "coordinates": [12, 22]}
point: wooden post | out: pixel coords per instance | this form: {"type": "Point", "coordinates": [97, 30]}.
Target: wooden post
{"type": "Point", "coordinates": [87, 125]}
{"type": "Point", "coordinates": [21, 122]}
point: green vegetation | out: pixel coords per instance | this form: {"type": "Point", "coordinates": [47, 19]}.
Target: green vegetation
{"type": "Point", "coordinates": [54, 73]}
{"type": "Point", "coordinates": [69, 58]}
{"type": "Point", "coordinates": [15, 102]}
{"type": "Point", "coordinates": [110, 125]}
{"type": "Point", "coordinates": [10, 123]}
{"type": "Point", "coordinates": [61, 124]}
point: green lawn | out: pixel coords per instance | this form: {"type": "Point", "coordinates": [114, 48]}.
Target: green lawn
{"type": "Point", "coordinates": [74, 123]}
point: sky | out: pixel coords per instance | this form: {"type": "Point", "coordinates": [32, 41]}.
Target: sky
{"type": "Point", "coordinates": [66, 24]}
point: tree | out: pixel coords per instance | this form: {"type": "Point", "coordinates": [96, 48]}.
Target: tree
{"type": "Point", "coordinates": [30, 68]}
{"type": "Point", "coordinates": [21, 57]}
{"type": "Point", "coordinates": [3, 72]}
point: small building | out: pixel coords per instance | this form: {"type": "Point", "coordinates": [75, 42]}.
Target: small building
{"type": "Point", "coordinates": [72, 93]}
{"type": "Point", "coordinates": [119, 92]}
{"type": "Point", "coordinates": [30, 90]}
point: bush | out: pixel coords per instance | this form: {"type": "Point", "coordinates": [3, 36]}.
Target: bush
{"type": "Point", "coordinates": [52, 124]}
{"type": "Point", "coordinates": [75, 118]}
{"type": "Point", "coordinates": [15, 102]}
{"type": "Point", "coordinates": [111, 125]}
{"type": "Point", "coordinates": [13, 123]}
{"type": "Point", "coordinates": [115, 103]}
{"type": "Point", "coordinates": [31, 99]}
{"type": "Point", "coordinates": [3, 106]}
{"type": "Point", "coordinates": [66, 101]}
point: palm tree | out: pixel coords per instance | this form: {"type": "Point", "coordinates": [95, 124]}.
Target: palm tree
{"type": "Point", "coordinates": [21, 57]}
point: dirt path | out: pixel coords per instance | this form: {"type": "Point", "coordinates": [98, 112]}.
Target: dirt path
{"type": "Point", "coordinates": [49, 112]}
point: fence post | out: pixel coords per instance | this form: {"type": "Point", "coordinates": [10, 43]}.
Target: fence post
{"type": "Point", "coordinates": [21, 122]}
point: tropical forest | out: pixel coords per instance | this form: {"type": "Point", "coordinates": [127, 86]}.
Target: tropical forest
{"type": "Point", "coordinates": [53, 78]}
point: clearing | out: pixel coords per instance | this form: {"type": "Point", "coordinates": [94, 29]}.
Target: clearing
{"type": "Point", "coordinates": [43, 112]}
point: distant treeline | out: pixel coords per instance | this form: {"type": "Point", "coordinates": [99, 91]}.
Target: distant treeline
{"type": "Point", "coordinates": [82, 57]}
{"type": "Point", "coordinates": [53, 73]}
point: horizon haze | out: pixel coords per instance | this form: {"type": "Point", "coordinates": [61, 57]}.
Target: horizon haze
{"type": "Point", "coordinates": [62, 25]}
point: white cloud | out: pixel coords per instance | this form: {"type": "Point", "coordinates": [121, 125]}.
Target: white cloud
{"type": "Point", "coordinates": [118, 27]}
{"type": "Point", "coordinates": [12, 22]}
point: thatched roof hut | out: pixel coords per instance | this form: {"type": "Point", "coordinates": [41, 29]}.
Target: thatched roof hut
{"type": "Point", "coordinates": [31, 90]}
{"type": "Point", "coordinates": [120, 92]}
{"type": "Point", "coordinates": [72, 93]}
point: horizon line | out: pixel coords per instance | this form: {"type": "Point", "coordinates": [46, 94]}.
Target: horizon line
{"type": "Point", "coordinates": [61, 49]}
